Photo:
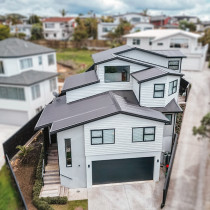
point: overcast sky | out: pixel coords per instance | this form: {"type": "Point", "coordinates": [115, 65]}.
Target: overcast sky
{"type": "Point", "coordinates": [199, 8]}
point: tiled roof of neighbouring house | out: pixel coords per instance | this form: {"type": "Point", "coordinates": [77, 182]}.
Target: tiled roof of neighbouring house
{"type": "Point", "coordinates": [114, 52]}
{"type": "Point", "coordinates": [63, 116]}
{"type": "Point", "coordinates": [171, 107]}
{"type": "Point", "coordinates": [80, 80]}
{"type": "Point", "coordinates": [27, 78]}
{"type": "Point", "coordinates": [58, 19]}
{"type": "Point", "coordinates": [14, 47]}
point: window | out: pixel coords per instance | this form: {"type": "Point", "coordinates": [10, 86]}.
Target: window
{"type": "Point", "coordinates": [143, 134]}
{"type": "Point", "coordinates": [117, 73]}
{"type": "Point", "coordinates": [174, 65]}
{"type": "Point", "coordinates": [179, 43]}
{"type": "Point", "coordinates": [12, 93]}
{"type": "Point", "coordinates": [1, 67]}
{"type": "Point", "coordinates": [160, 44]}
{"type": "Point", "coordinates": [107, 29]}
{"type": "Point", "coordinates": [46, 34]}
{"type": "Point", "coordinates": [53, 84]}
{"type": "Point", "coordinates": [159, 90]}
{"type": "Point", "coordinates": [49, 25]}
{"type": "Point", "coordinates": [68, 152]}
{"type": "Point", "coordinates": [54, 35]}
{"type": "Point", "coordinates": [172, 87]}
{"type": "Point", "coordinates": [40, 60]}
{"type": "Point", "coordinates": [26, 63]}
{"type": "Point", "coordinates": [136, 41]}
{"type": "Point", "coordinates": [136, 19]}
{"type": "Point", "coordinates": [169, 116]}
{"type": "Point", "coordinates": [51, 60]}
{"type": "Point", "coordinates": [35, 90]}
{"type": "Point", "coordinates": [106, 136]}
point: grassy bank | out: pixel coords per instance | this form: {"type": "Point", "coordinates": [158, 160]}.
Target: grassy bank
{"type": "Point", "coordinates": [8, 196]}
{"type": "Point", "coordinates": [81, 58]}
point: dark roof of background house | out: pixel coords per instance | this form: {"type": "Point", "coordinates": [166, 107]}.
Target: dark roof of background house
{"type": "Point", "coordinates": [64, 116]}
{"type": "Point", "coordinates": [14, 47]}
{"type": "Point", "coordinates": [152, 73]}
{"type": "Point", "coordinates": [171, 107]}
{"type": "Point", "coordinates": [80, 80]}
{"type": "Point", "coordinates": [27, 78]}
{"type": "Point", "coordinates": [113, 53]}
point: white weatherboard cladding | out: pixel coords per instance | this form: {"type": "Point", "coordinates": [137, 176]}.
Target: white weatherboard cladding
{"type": "Point", "coordinates": [147, 92]}
{"type": "Point", "coordinates": [77, 172]}
{"type": "Point", "coordinates": [101, 87]}
{"type": "Point", "coordinates": [123, 125]}
{"type": "Point", "coordinates": [136, 88]}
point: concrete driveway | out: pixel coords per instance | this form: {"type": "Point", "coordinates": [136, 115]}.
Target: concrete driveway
{"type": "Point", "coordinates": [5, 132]}
{"type": "Point", "coordinates": [190, 180]}
{"type": "Point", "coordinates": [145, 195]}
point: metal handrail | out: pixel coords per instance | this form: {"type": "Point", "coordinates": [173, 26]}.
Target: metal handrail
{"type": "Point", "coordinates": [66, 176]}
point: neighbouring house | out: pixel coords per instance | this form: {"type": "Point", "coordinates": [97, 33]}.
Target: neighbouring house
{"type": "Point", "coordinates": [28, 77]}
{"type": "Point", "coordinates": [21, 28]}
{"type": "Point", "coordinates": [172, 39]}
{"type": "Point", "coordinates": [58, 28]}
{"type": "Point", "coordinates": [192, 19]}
{"type": "Point", "coordinates": [140, 23]}
{"type": "Point", "coordinates": [115, 122]}
{"type": "Point", "coordinates": [202, 26]}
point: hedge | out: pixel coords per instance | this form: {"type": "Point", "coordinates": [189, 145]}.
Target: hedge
{"type": "Point", "coordinates": [43, 203]}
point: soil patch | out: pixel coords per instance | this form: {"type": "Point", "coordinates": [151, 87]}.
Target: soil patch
{"type": "Point", "coordinates": [25, 173]}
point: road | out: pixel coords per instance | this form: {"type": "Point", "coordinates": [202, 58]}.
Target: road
{"type": "Point", "coordinates": [190, 180]}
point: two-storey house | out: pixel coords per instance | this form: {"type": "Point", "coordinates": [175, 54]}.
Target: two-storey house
{"type": "Point", "coordinates": [172, 39]}
{"type": "Point", "coordinates": [21, 28]}
{"type": "Point", "coordinates": [28, 76]}
{"type": "Point", "coordinates": [139, 22]}
{"type": "Point", "coordinates": [114, 122]}
{"type": "Point", "coordinates": [58, 28]}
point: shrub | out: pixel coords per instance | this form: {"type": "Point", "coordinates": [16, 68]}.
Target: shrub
{"type": "Point", "coordinates": [55, 200]}
{"type": "Point", "coordinates": [209, 63]}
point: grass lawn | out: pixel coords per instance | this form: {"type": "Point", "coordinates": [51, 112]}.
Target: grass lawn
{"type": "Point", "coordinates": [9, 198]}
{"type": "Point", "coordinates": [78, 56]}
{"type": "Point", "coordinates": [72, 205]}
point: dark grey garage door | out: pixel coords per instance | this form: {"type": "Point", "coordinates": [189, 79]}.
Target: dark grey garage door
{"type": "Point", "coordinates": [122, 170]}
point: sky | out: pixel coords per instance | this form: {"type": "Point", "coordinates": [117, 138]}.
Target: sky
{"type": "Point", "coordinates": [200, 8]}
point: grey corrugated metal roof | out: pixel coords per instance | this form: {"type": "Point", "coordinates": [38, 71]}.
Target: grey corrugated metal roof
{"type": "Point", "coordinates": [63, 116]}
{"type": "Point", "coordinates": [148, 74]}
{"type": "Point", "coordinates": [14, 47]}
{"type": "Point", "coordinates": [80, 80]}
{"type": "Point", "coordinates": [27, 78]}
{"type": "Point", "coordinates": [170, 53]}
{"type": "Point", "coordinates": [108, 54]}
{"type": "Point", "coordinates": [171, 107]}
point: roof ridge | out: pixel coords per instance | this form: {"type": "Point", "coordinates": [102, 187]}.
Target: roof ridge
{"type": "Point", "coordinates": [112, 96]}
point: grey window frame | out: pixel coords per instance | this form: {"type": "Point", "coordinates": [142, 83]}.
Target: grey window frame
{"type": "Point", "coordinates": [173, 87]}
{"type": "Point", "coordinates": [40, 60]}
{"type": "Point", "coordinates": [160, 44]}
{"type": "Point", "coordinates": [68, 165]}
{"type": "Point", "coordinates": [169, 123]}
{"type": "Point", "coordinates": [53, 84]}
{"type": "Point", "coordinates": [173, 64]}
{"type": "Point", "coordinates": [159, 90]}
{"type": "Point", "coordinates": [102, 137]}
{"type": "Point", "coordinates": [2, 67]}
{"type": "Point", "coordinates": [4, 93]}
{"type": "Point", "coordinates": [136, 41]}
{"type": "Point", "coordinates": [128, 74]}
{"type": "Point", "coordinates": [26, 59]}
{"type": "Point", "coordinates": [144, 134]}
{"type": "Point", "coordinates": [48, 58]}
{"type": "Point", "coordinates": [35, 92]}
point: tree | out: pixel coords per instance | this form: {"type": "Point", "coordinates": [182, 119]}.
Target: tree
{"type": "Point", "coordinates": [185, 25]}
{"type": "Point", "coordinates": [107, 19]}
{"type": "Point", "coordinates": [23, 153]}
{"type": "Point", "coordinates": [63, 12]}
{"type": "Point", "coordinates": [4, 32]}
{"type": "Point", "coordinates": [33, 19]}
{"type": "Point", "coordinates": [80, 32]}
{"type": "Point", "coordinates": [145, 12]}
{"type": "Point", "coordinates": [206, 38]}
{"type": "Point", "coordinates": [14, 18]}
{"type": "Point", "coordinates": [204, 129]}
{"type": "Point", "coordinates": [37, 31]}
